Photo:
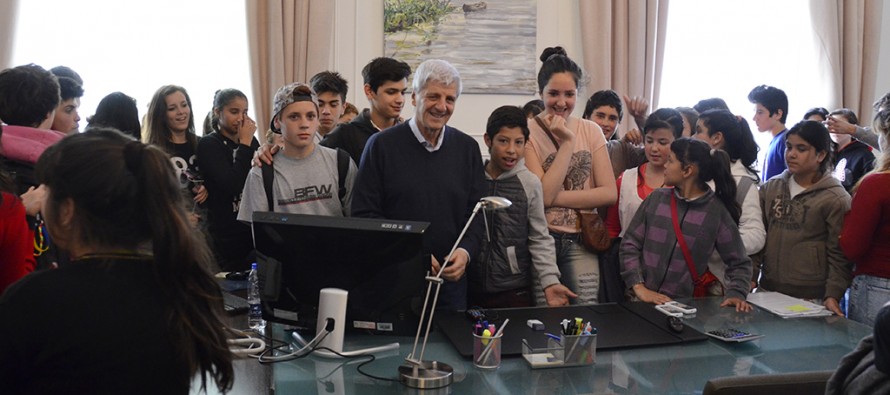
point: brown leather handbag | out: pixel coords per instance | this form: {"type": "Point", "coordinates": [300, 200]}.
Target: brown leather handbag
{"type": "Point", "coordinates": [594, 234]}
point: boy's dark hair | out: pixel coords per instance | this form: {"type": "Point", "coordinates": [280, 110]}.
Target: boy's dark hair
{"type": "Point", "coordinates": [772, 98]}
{"type": "Point", "coordinates": [506, 117]}
{"type": "Point", "coordinates": [65, 71]}
{"type": "Point", "coordinates": [27, 94]}
{"type": "Point", "coordinates": [330, 81]}
{"type": "Point", "coordinates": [69, 88]}
{"type": "Point", "coordinates": [820, 111]}
{"type": "Point", "coordinates": [533, 108]}
{"type": "Point", "coordinates": [665, 118]}
{"type": "Point", "coordinates": [714, 103]}
{"type": "Point", "coordinates": [601, 98]}
{"type": "Point", "coordinates": [382, 69]}
{"type": "Point", "coordinates": [847, 113]}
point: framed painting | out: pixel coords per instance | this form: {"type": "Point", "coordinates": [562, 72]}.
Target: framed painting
{"type": "Point", "coordinates": [492, 43]}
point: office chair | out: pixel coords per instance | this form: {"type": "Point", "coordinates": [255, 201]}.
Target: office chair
{"type": "Point", "coordinates": [803, 383]}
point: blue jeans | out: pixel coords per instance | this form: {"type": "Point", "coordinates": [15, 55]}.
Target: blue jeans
{"type": "Point", "coordinates": [579, 269]}
{"type": "Point", "coordinates": [867, 295]}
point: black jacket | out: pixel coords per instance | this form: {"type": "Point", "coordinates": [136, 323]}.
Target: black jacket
{"type": "Point", "coordinates": [852, 162]}
{"type": "Point", "coordinates": [352, 137]}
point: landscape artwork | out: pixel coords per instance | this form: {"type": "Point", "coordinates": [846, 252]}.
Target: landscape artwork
{"type": "Point", "coordinates": [492, 43]}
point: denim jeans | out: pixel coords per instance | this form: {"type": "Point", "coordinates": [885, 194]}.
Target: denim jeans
{"type": "Point", "coordinates": [867, 295]}
{"type": "Point", "coordinates": [579, 269]}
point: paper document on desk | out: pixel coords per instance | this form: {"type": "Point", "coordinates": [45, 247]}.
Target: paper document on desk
{"type": "Point", "coordinates": [787, 306]}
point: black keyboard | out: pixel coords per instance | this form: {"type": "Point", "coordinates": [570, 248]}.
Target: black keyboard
{"type": "Point", "coordinates": [732, 335]}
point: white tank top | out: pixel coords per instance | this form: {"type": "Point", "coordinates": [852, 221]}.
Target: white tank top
{"type": "Point", "coordinates": [628, 200]}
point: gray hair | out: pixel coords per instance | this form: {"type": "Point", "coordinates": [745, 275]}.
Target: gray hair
{"type": "Point", "coordinates": [436, 70]}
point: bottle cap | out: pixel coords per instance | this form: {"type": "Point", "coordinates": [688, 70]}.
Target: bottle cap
{"type": "Point", "coordinates": [253, 266]}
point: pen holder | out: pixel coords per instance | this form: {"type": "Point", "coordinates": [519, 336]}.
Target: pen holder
{"type": "Point", "coordinates": [569, 350]}
{"type": "Point", "coordinates": [487, 351]}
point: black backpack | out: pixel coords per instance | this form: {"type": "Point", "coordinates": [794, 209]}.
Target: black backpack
{"type": "Point", "coordinates": [342, 168]}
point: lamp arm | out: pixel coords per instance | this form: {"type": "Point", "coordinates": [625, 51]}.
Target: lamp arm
{"type": "Point", "coordinates": [459, 238]}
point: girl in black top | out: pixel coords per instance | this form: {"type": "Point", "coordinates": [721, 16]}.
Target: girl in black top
{"type": "Point", "coordinates": [171, 126]}
{"type": "Point", "coordinates": [224, 159]}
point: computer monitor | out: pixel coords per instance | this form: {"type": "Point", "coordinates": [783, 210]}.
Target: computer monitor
{"type": "Point", "coordinates": [379, 262]}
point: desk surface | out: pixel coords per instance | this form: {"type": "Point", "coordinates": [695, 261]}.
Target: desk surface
{"type": "Point", "coordinates": [794, 345]}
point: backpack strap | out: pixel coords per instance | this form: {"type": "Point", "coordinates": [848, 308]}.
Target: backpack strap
{"type": "Point", "coordinates": [745, 184]}
{"type": "Point", "coordinates": [268, 178]}
{"type": "Point", "coordinates": [342, 170]}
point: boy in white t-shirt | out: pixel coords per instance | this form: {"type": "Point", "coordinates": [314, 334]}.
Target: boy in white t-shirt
{"type": "Point", "coordinates": [306, 176]}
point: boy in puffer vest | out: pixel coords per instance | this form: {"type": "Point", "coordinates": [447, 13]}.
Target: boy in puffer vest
{"type": "Point", "coordinates": [517, 249]}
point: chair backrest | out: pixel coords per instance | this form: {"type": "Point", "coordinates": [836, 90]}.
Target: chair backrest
{"type": "Point", "coordinates": [804, 383]}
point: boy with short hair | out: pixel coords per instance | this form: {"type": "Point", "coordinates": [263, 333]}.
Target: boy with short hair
{"type": "Point", "coordinates": [770, 111]}
{"type": "Point", "coordinates": [518, 243]}
{"type": "Point", "coordinates": [305, 176]}
{"type": "Point", "coordinates": [385, 84]}
{"type": "Point", "coordinates": [71, 90]}
{"type": "Point", "coordinates": [29, 95]}
{"type": "Point", "coordinates": [604, 108]}
{"type": "Point", "coordinates": [331, 89]}
{"type": "Point", "coordinates": [28, 98]}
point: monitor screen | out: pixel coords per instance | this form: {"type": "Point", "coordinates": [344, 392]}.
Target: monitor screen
{"type": "Point", "coordinates": [379, 262]}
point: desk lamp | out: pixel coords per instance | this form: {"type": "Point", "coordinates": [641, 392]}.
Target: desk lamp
{"type": "Point", "coordinates": [416, 372]}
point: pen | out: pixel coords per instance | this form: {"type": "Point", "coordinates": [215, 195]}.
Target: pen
{"type": "Point", "coordinates": [554, 337]}
{"type": "Point", "coordinates": [497, 336]}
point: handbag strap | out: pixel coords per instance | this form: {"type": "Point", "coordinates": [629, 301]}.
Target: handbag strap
{"type": "Point", "coordinates": [565, 183]}
{"type": "Point", "coordinates": [547, 131]}
{"type": "Point", "coordinates": [680, 239]}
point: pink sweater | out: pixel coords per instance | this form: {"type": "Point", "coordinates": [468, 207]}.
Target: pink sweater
{"type": "Point", "coordinates": [25, 144]}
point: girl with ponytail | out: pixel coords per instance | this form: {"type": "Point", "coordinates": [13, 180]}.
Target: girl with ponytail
{"type": "Point", "coordinates": [659, 262]}
{"type": "Point", "coordinates": [724, 131]}
{"type": "Point", "coordinates": [224, 159]}
{"type": "Point", "coordinates": [139, 308]}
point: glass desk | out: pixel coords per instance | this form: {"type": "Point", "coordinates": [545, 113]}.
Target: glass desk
{"type": "Point", "coordinates": [789, 345]}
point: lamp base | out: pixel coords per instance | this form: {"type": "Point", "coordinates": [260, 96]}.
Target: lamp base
{"type": "Point", "coordinates": [426, 374]}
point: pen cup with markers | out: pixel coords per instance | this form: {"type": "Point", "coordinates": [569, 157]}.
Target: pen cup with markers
{"type": "Point", "coordinates": [575, 349]}
{"type": "Point", "coordinates": [487, 351]}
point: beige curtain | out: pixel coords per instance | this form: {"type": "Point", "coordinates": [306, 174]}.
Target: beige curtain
{"type": "Point", "coordinates": [848, 35]}
{"type": "Point", "coordinates": [281, 36]}
{"type": "Point", "coordinates": [8, 17]}
{"type": "Point", "coordinates": [624, 47]}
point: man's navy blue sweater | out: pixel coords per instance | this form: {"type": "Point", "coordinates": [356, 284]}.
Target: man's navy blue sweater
{"type": "Point", "coordinates": [399, 179]}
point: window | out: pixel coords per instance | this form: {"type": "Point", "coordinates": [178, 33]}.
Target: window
{"type": "Point", "coordinates": [724, 48]}
{"type": "Point", "coordinates": [137, 46]}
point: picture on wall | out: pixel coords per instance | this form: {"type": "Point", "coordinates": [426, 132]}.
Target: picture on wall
{"type": "Point", "coordinates": [491, 43]}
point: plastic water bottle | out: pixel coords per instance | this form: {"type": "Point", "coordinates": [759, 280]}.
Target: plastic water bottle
{"type": "Point", "coordinates": [255, 313]}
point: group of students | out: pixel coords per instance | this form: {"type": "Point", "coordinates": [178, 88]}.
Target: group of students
{"type": "Point", "coordinates": [797, 227]}
{"type": "Point", "coordinates": [685, 212]}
